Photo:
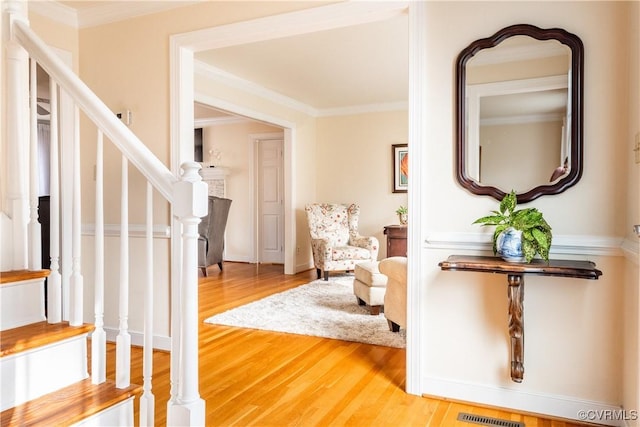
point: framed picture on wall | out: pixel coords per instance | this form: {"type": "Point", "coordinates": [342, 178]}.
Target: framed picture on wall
{"type": "Point", "coordinates": [400, 156]}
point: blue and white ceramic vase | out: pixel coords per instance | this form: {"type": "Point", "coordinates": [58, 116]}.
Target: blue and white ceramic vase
{"type": "Point", "coordinates": [509, 245]}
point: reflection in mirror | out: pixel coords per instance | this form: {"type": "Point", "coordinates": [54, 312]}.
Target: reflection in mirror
{"type": "Point", "coordinates": [519, 113]}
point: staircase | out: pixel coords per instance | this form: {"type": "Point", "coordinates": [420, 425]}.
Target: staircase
{"type": "Point", "coordinates": [43, 366]}
{"type": "Point", "coordinates": [45, 351]}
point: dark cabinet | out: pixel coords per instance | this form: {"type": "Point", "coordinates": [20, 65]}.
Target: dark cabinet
{"type": "Point", "coordinates": [396, 240]}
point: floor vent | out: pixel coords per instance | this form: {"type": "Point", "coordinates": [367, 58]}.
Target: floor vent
{"type": "Point", "coordinates": [488, 421]}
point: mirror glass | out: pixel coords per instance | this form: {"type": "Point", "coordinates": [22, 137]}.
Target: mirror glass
{"type": "Point", "coordinates": [520, 113]}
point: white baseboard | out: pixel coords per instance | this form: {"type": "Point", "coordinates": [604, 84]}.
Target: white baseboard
{"type": "Point", "coordinates": [545, 404]}
{"type": "Point", "coordinates": [160, 342]}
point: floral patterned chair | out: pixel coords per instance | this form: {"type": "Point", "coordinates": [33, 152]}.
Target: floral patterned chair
{"type": "Point", "coordinates": [335, 241]}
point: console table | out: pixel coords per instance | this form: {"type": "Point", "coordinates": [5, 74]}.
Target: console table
{"type": "Point", "coordinates": [396, 240]}
{"type": "Point", "coordinates": [515, 272]}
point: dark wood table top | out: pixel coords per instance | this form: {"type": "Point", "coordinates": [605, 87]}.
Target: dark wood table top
{"type": "Point", "coordinates": [553, 267]}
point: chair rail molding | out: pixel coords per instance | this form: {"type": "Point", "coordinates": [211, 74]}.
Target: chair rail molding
{"type": "Point", "coordinates": [562, 244]}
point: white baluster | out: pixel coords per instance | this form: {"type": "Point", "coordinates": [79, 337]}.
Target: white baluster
{"type": "Point", "coordinates": [17, 128]}
{"type": "Point", "coordinates": [99, 337]}
{"type": "Point", "coordinates": [147, 400]}
{"type": "Point", "coordinates": [187, 408]}
{"type": "Point", "coordinates": [123, 340]}
{"type": "Point", "coordinates": [35, 239]}
{"type": "Point", "coordinates": [54, 282]}
{"type": "Point", "coordinates": [76, 284]}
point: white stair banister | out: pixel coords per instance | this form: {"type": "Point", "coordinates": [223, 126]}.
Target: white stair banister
{"type": "Point", "coordinates": [147, 400]}
{"type": "Point", "coordinates": [120, 135]}
{"type": "Point", "coordinates": [17, 114]}
{"type": "Point", "coordinates": [187, 408]}
{"type": "Point", "coordinates": [35, 238]}
{"type": "Point", "coordinates": [76, 312]}
{"type": "Point", "coordinates": [54, 282]}
{"type": "Point", "coordinates": [99, 337]}
{"type": "Point", "coordinates": [123, 340]}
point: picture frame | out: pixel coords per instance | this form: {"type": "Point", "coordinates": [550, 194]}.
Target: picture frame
{"type": "Point", "coordinates": [400, 157]}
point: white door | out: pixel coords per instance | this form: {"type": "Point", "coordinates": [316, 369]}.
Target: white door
{"type": "Point", "coordinates": [270, 201]}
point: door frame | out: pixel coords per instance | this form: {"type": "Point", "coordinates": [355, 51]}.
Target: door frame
{"type": "Point", "coordinates": [182, 48]}
{"type": "Point", "coordinates": [253, 141]}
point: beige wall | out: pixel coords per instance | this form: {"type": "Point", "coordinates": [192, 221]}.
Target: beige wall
{"type": "Point", "coordinates": [574, 342]}
{"type": "Point", "coordinates": [232, 140]}
{"type": "Point", "coordinates": [354, 164]}
{"type": "Point", "coordinates": [631, 368]}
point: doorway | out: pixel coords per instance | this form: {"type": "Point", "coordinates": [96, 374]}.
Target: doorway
{"type": "Point", "coordinates": [269, 208]}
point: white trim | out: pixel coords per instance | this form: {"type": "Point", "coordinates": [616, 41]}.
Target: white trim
{"type": "Point", "coordinates": [106, 13]}
{"type": "Point", "coordinates": [228, 79]}
{"type": "Point", "coordinates": [539, 403]}
{"type": "Point", "coordinates": [418, 137]}
{"type": "Point", "coordinates": [219, 121]}
{"type": "Point", "coordinates": [305, 21]}
{"type": "Point", "coordinates": [631, 249]}
{"type": "Point", "coordinates": [222, 104]}
{"type": "Point", "coordinates": [160, 342]}
{"type": "Point", "coordinates": [160, 231]}
{"type": "Point", "coordinates": [562, 244]}
{"type": "Point", "coordinates": [220, 76]}
{"type": "Point", "coordinates": [55, 11]}
{"type": "Point", "coordinates": [103, 13]}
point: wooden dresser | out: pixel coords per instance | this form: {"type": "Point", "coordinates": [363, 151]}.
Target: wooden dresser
{"type": "Point", "coordinates": [396, 240]}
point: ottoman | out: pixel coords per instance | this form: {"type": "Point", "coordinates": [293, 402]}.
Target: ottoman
{"type": "Point", "coordinates": [369, 286]}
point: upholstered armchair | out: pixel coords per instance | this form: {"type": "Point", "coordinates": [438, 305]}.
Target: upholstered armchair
{"type": "Point", "coordinates": [211, 233]}
{"type": "Point", "coordinates": [335, 241]}
{"type": "Point", "coordinates": [395, 297]}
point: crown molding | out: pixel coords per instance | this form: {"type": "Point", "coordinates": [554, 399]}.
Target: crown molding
{"type": "Point", "coordinates": [55, 11]}
{"type": "Point", "coordinates": [104, 13]}
{"type": "Point", "coordinates": [114, 11]}
{"type": "Point", "coordinates": [228, 79]}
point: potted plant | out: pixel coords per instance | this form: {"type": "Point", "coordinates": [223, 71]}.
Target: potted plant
{"type": "Point", "coordinates": [527, 224]}
{"type": "Point", "coordinates": [403, 214]}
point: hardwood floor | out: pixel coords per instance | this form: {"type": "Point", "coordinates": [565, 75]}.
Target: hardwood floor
{"type": "Point", "coordinates": [258, 378]}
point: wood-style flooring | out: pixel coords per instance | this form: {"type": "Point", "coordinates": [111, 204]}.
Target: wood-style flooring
{"type": "Point", "coordinates": [257, 378]}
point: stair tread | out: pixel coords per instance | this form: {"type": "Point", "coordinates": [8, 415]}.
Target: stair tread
{"type": "Point", "coordinates": [13, 276]}
{"type": "Point", "coordinates": [38, 334]}
{"type": "Point", "coordinates": [68, 405]}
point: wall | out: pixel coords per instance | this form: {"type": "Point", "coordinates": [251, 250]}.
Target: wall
{"type": "Point", "coordinates": [232, 140]}
{"type": "Point", "coordinates": [631, 307]}
{"type": "Point", "coordinates": [574, 340]}
{"type": "Point", "coordinates": [354, 164]}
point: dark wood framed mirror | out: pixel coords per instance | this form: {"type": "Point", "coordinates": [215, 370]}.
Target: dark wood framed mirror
{"type": "Point", "coordinates": [519, 113]}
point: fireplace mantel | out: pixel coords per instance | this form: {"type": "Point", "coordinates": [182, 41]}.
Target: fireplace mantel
{"type": "Point", "coordinates": [216, 178]}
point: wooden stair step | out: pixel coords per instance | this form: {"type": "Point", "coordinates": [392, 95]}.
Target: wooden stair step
{"type": "Point", "coordinates": [38, 334]}
{"type": "Point", "coordinates": [68, 405]}
{"type": "Point", "coordinates": [20, 275]}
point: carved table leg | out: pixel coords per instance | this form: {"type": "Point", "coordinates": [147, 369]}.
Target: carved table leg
{"type": "Point", "coordinates": [516, 325]}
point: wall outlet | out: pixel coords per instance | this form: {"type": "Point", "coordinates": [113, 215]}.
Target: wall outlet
{"type": "Point", "coordinates": [636, 148]}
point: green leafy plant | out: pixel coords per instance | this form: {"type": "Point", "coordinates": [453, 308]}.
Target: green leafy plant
{"type": "Point", "coordinates": [536, 232]}
{"type": "Point", "coordinates": [402, 210]}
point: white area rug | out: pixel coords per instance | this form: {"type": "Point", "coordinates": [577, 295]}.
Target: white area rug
{"type": "Point", "coordinates": [322, 309]}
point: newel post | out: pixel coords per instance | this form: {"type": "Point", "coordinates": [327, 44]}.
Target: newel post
{"type": "Point", "coordinates": [16, 138]}
{"type": "Point", "coordinates": [190, 204]}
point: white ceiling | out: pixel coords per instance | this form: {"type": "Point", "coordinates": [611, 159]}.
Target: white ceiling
{"type": "Point", "coordinates": [360, 66]}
